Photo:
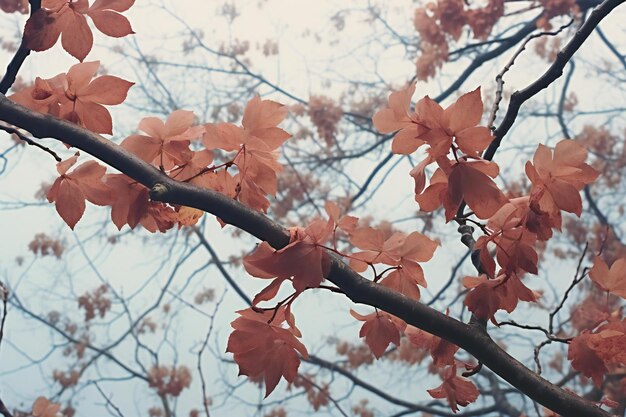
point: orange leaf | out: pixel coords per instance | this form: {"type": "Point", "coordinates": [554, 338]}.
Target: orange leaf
{"type": "Point", "coordinates": [70, 191]}
{"type": "Point", "coordinates": [612, 280]}
{"type": "Point", "coordinates": [456, 389]}
{"type": "Point", "coordinates": [67, 19]}
{"type": "Point", "coordinates": [379, 330]}
{"type": "Point", "coordinates": [263, 349]}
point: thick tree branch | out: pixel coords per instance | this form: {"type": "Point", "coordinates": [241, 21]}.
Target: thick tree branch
{"type": "Point", "coordinates": [357, 288]}
{"type": "Point", "coordinates": [20, 56]}
{"type": "Point", "coordinates": [518, 98]}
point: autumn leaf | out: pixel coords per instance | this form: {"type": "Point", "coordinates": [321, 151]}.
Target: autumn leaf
{"type": "Point", "coordinates": [455, 124]}
{"type": "Point", "coordinates": [286, 263]}
{"type": "Point", "coordinates": [469, 181]}
{"type": "Point", "coordinates": [132, 206]}
{"type": "Point", "coordinates": [76, 97]}
{"type": "Point", "coordinates": [165, 145]}
{"type": "Point", "coordinates": [86, 97]}
{"type": "Point", "coordinates": [392, 250]}
{"type": "Point", "coordinates": [514, 243]}
{"type": "Point", "coordinates": [67, 20]}
{"type": "Point", "coordinates": [262, 348]}
{"type": "Point", "coordinates": [486, 296]}
{"type": "Point", "coordinates": [586, 359]}
{"type": "Point", "coordinates": [612, 280]}
{"type": "Point", "coordinates": [379, 330]}
{"type": "Point", "coordinates": [398, 117]}
{"type": "Point", "coordinates": [441, 351]}
{"type": "Point", "coordinates": [70, 190]}
{"type": "Point", "coordinates": [42, 407]}
{"type": "Point", "coordinates": [346, 223]}
{"type": "Point", "coordinates": [256, 143]}
{"type": "Point", "coordinates": [558, 177]}
{"type": "Point", "coordinates": [456, 389]}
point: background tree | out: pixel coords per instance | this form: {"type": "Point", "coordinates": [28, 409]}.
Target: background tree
{"type": "Point", "coordinates": [349, 156]}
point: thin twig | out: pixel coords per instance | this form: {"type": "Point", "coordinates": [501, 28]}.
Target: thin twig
{"type": "Point", "coordinates": [571, 287]}
{"type": "Point", "coordinates": [553, 72]}
{"type": "Point", "coordinates": [108, 400]}
{"type": "Point", "coordinates": [4, 294]}
{"type": "Point", "coordinates": [507, 67]}
{"type": "Point", "coordinates": [205, 400]}
{"type": "Point", "coordinates": [26, 139]}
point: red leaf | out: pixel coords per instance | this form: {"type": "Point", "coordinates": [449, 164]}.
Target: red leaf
{"type": "Point", "coordinates": [470, 181]}
{"type": "Point", "coordinates": [557, 179]}
{"type": "Point", "coordinates": [263, 349]}
{"type": "Point", "coordinates": [456, 389]}
{"type": "Point", "coordinates": [379, 330]}
{"type": "Point", "coordinates": [612, 280]}
{"type": "Point", "coordinates": [67, 19]}
{"type": "Point", "coordinates": [69, 191]}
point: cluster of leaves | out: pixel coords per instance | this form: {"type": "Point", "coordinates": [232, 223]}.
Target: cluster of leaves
{"type": "Point", "coordinates": [169, 380]}
{"type": "Point", "coordinates": [442, 22]}
{"type": "Point", "coordinates": [66, 19]}
{"type": "Point", "coordinates": [600, 348]}
{"type": "Point", "coordinates": [167, 145]}
{"type": "Point", "coordinates": [77, 97]}
{"type": "Point", "coordinates": [514, 227]}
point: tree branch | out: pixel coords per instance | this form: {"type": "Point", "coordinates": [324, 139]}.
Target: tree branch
{"type": "Point", "coordinates": [356, 287]}
{"type": "Point", "coordinates": [20, 56]}
{"type": "Point", "coordinates": [518, 98]}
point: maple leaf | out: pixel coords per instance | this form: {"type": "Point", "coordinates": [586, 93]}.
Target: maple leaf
{"type": "Point", "coordinates": [66, 18]}
{"type": "Point", "coordinates": [192, 169]}
{"type": "Point", "coordinates": [585, 359]}
{"type": "Point", "coordinates": [465, 180]}
{"type": "Point", "coordinates": [263, 349]}
{"type": "Point", "coordinates": [558, 178]}
{"type": "Point", "coordinates": [535, 220]}
{"type": "Point", "coordinates": [86, 97]}
{"type": "Point", "coordinates": [43, 407]}
{"type": "Point", "coordinates": [486, 296]}
{"type": "Point", "coordinates": [470, 181]}
{"type": "Point", "coordinates": [43, 96]}
{"type": "Point", "coordinates": [514, 243]}
{"type": "Point", "coordinates": [165, 145]}
{"type": "Point", "coordinates": [379, 330]}
{"type": "Point", "coordinates": [70, 190]}
{"type": "Point", "coordinates": [391, 249]}
{"type": "Point", "coordinates": [256, 143]}
{"type": "Point", "coordinates": [132, 206]}
{"type": "Point", "coordinates": [398, 117]}
{"type": "Point", "coordinates": [346, 223]}
{"type": "Point", "coordinates": [304, 249]}
{"type": "Point", "coordinates": [456, 389]}
{"type": "Point", "coordinates": [440, 349]}
{"type": "Point", "coordinates": [76, 97]}
{"type": "Point", "coordinates": [456, 124]}
{"type": "Point", "coordinates": [612, 280]}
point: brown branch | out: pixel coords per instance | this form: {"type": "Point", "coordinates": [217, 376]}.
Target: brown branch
{"type": "Point", "coordinates": [4, 410]}
{"type": "Point", "coordinates": [356, 287]}
{"type": "Point", "coordinates": [4, 294]}
{"type": "Point", "coordinates": [555, 70]}
{"type": "Point", "coordinates": [20, 56]}
{"type": "Point", "coordinates": [509, 65]}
